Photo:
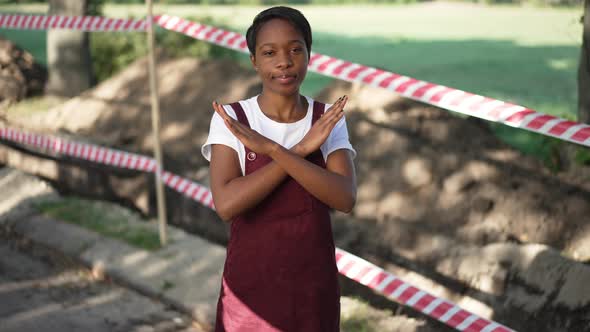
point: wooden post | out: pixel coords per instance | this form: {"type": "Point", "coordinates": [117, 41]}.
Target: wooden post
{"type": "Point", "coordinates": [156, 125]}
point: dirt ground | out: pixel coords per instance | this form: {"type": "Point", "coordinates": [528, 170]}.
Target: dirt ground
{"type": "Point", "coordinates": [428, 176]}
{"type": "Point", "coordinates": [439, 197]}
{"type": "Point", "coordinates": [46, 291]}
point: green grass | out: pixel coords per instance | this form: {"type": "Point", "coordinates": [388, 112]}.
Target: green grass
{"type": "Point", "coordinates": [102, 218]}
{"type": "Point", "coordinates": [523, 55]}
{"type": "Point", "coordinates": [32, 41]}
{"type": "Point", "coordinates": [34, 105]}
{"type": "Point", "coordinates": [358, 316]}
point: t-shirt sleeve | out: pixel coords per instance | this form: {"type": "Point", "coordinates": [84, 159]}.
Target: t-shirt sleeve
{"type": "Point", "coordinates": [220, 134]}
{"type": "Point", "coordinates": [338, 139]}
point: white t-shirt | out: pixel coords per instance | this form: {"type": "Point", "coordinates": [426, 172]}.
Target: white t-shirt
{"type": "Point", "coordinates": [286, 134]}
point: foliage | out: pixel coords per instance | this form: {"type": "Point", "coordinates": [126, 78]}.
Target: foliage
{"type": "Point", "coordinates": [582, 156]}
{"type": "Point", "coordinates": [112, 52]}
{"type": "Point", "coordinates": [95, 7]}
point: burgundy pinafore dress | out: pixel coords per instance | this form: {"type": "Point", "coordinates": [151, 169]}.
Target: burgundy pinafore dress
{"type": "Point", "coordinates": [280, 273]}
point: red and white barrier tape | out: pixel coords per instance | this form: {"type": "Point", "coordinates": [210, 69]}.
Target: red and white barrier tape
{"type": "Point", "coordinates": [402, 292]}
{"type": "Point", "coordinates": [349, 265]}
{"type": "Point", "coordinates": [110, 157]}
{"type": "Point", "coordinates": [429, 93]}
{"type": "Point", "coordinates": [80, 23]}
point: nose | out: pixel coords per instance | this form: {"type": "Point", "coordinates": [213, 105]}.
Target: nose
{"type": "Point", "coordinates": [284, 60]}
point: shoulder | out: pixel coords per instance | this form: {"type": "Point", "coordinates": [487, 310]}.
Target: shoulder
{"type": "Point", "coordinates": [230, 109]}
{"type": "Point", "coordinates": [248, 106]}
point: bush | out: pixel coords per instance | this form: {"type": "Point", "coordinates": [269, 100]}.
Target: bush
{"type": "Point", "coordinates": [112, 52]}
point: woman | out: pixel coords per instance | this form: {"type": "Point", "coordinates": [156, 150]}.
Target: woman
{"type": "Point", "coordinates": [279, 162]}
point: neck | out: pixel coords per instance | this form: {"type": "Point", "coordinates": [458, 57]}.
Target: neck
{"type": "Point", "coordinates": [282, 108]}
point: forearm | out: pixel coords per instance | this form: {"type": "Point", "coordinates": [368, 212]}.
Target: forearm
{"type": "Point", "coordinates": [242, 193]}
{"type": "Point", "coordinates": [335, 190]}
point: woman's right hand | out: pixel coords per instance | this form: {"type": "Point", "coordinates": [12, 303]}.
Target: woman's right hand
{"type": "Point", "coordinates": [249, 137]}
{"type": "Point", "coordinates": [322, 128]}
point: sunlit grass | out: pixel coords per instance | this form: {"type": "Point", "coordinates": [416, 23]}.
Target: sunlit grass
{"type": "Point", "coordinates": [524, 55]}
{"type": "Point", "coordinates": [103, 218]}
{"type": "Point", "coordinates": [359, 316]}
{"type": "Point", "coordinates": [34, 105]}
{"type": "Point", "coordinates": [527, 56]}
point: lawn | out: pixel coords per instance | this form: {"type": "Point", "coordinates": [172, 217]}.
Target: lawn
{"type": "Point", "coordinates": [104, 218]}
{"type": "Point", "coordinates": [524, 55]}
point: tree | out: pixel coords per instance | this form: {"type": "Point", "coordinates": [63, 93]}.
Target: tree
{"type": "Point", "coordinates": [68, 53]}
{"type": "Point", "coordinates": [584, 69]}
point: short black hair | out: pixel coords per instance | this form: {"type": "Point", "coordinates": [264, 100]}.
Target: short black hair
{"type": "Point", "coordinates": [288, 14]}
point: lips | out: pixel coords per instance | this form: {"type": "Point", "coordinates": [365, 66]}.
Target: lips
{"type": "Point", "coordinates": [285, 78]}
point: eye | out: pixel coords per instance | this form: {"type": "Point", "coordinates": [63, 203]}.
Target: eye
{"type": "Point", "coordinates": [297, 50]}
{"type": "Point", "coordinates": [268, 52]}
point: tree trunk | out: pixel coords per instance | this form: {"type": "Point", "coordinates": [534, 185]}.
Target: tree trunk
{"type": "Point", "coordinates": [68, 53]}
{"type": "Point", "coordinates": [584, 70]}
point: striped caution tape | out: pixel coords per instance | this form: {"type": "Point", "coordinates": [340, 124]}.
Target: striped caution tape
{"type": "Point", "coordinates": [110, 157]}
{"type": "Point", "coordinates": [402, 292]}
{"type": "Point", "coordinates": [80, 23]}
{"type": "Point", "coordinates": [426, 92]}
{"type": "Point", "coordinates": [434, 94]}
{"type": "Point", "coordinates": [349, 265]}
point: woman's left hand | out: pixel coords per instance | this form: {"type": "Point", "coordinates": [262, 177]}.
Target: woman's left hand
{"type": "Point", "coordinates": [250, 138]}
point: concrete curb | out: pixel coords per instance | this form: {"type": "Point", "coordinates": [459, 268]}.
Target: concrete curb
{"type": "Point", "coordinates": [185, 274]}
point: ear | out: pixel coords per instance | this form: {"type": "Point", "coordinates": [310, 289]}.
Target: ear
{"type": "Point", "coordinates": [253, 61]}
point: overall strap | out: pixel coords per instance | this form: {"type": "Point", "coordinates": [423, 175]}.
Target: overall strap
{"type": "Point", "coordinates": [318, 110]}
{"type": "Point", "coordinates": [251, 156]}
{"type": "Point", "coordinates": [240, 114]}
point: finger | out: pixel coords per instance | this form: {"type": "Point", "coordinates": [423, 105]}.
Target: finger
{"type": "Point", "coordinates": [338, 105]}
{"type": "Point", "coordinates": [233, 126]}
{"type": "Point", "coordinates": [335, 104]}
{"type": "Point", "coordinates": [336, 109]}
{"type": "Point", "coordinates": [217, 110]}
{"type": "Point", "coordinates": [329, 110]}
{"type": "Point", "coordinates": [239, 130]}
{"type": "Point", "coordinates": [342, 103]}
{"type": "Point", "coordinates": [230, 126]}
{"type": "Point", "coordinates": [221, 111]}
{"type": "Point", "coordinates": [336, 118]}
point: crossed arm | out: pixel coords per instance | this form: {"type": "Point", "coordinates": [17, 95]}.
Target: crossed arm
{"type": "Point", "coordinates": [233, 193]}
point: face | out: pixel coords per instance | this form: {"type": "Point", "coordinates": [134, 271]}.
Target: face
{"type": "Point", "coordinates": [281, 57]}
